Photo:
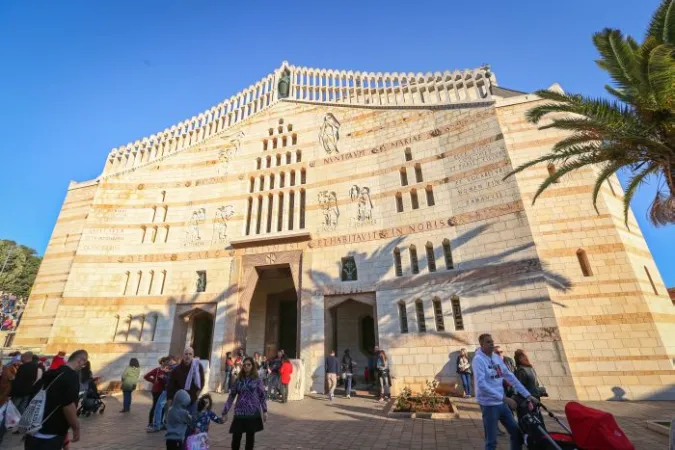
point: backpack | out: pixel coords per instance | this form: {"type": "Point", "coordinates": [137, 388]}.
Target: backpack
{"type": "Point", "coordinates": [32, 418]}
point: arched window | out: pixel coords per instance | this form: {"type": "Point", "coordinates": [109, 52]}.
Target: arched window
{"type": "Point", "coordinates": [291, 209]}
{"type": "Point", "coordinates": [447, 254]}
{"type": "Point", "coordinates": [288, 157]}
{"type": "Point", "coordinates": [270, 200]}
{"type": "Point", "coordinates": [155, 319]}
{"type": "Point", "coordinates": [298, 156]}
{"type": "Point", "coordinates": [278, 160]}
{"type": "Point", "coordinates": [398, 267]}
{"type": "Point", "coordinates": [144, 231]}
{"type": "Point", "coordinates": [284, 141]}
{"type": "Point", "coordinates": [274, 143]}
{"type": "Point", "coordinates": [399, 202]}
{"type": "Point", "coordinates": [270, 131]}
{"type": "Point", "coordinates": [251, 187]}
{"type": "Point", "coordinates": [418, 173]}
{"type": "Point", "coordinates": [438, 314]}
{"type": "Point", "coordinates": [154, 234]}
{"type": "Point", "coordinates": [414, 263]}
{"type": "Point", "coordinates": [584, 263]}
{"type": "Point", "coordinates": [261, 184]}
{"type": "Point", "coordinates": [258, 163]}
{"type": "Point", "coordinates": [414, 200]}
{"type": "Point", "coordinates": [551, 171]}
{"type": "Point", "coordinates": [651, 281]}
{"type": "Point", "coordinates": [271, 181]}
{"type": "Point", "coordinates": [264, 144]}
{"type": "Point", "coordinates": [268, 161]}
{"type": "Point", "coordinates": [303, 176]}
{"type": "Point", "coordinates": [457, 313]}
{"type": "Point", "coordinates": [154, 213]}
{"type": "Point", "coordinates": [129, 319]}
{"type": "Point", "coordinates": [292, 178]}
{"type": "Point", "coordinates": [294, 138]}
{"type": "Point", "coordinates": [166, 233]}
{"type": "Point", "coordinates": [404, 176]}
{"type": "Point", "coordinates": [431, 257]}
{"type": "Point", "coordinates": [408, 154]}
{"type": "Point", "coordinates": [282, 179]}
{"type": "Point", "coordinates": [141, 321]}
{"type": "Point", "coordinates": [166, 211]}
{"type": "Point", "coordinates": [289, 127]}
{"type": "Point", "coordinates": [163, 195]}
{"type": "Point", "coordinates": [161, 287]}
{"type": "Point", "coordinates": [430, 195]}
{"type": "Point", "coordinates": [258, 223]}
{"type": "Point", "coordinates": [280, 212]}
{"type": "Point", "coordinates": [249, 209]}
{"type": "Point", "coordinates": [116, 327]}
{"type": "Point", "coordinates": [403, 317]}
{"type": "Point", "coordinates": [421, 322]}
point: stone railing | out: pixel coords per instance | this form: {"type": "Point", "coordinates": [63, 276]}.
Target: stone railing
{"type": "Point", "coordinates": [305, 85]}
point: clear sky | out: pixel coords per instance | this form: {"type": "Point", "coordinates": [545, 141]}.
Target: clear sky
{"type": "Point", "coordinates": [78, 78]}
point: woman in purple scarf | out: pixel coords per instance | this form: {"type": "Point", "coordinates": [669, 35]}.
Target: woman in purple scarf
{"type": "Point", "coordinates": [250, 412]}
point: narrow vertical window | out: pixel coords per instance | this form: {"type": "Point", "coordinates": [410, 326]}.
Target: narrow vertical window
{"type": "Point", "coordinates": [282, 179]}
{"type": "Point", "coordinates": [398, 267]}
{"type": "Point", "coordinates": [129, 319]}
{"type": "Point", "coordinates": [404, 176]}
{"type": "Point", "coordinates": [431, 257]}
{"type": "Point", "coordinates": [302, 209]}
{"type": "Point", "coordinates": [303, 176]}
{"type": "Point", "coordinates": [155, 319]}
{"type": "Point", "coordinates": [399, 202]}
{"type": "Point", "coordinates": [418, 173]}
{"type": "Point", "coordinates": [154, 213]}
{"type": "Point", "coordinates": [138, 282]}
{"type": "Point", "coordinates": [141, 320]}
{"type": "Point", "coordinates": [152, 278]}
{"type": "Point", "coordinates": [261, 185]}
{"type": "Point", "coordinates": [251, 187]}
{"type": "Point", "coordinates": [438, 315]}
{"type": "Point", "coordinates": [274, 143]}
{"type": "Point", "coordinates": [272, 179]}
{"type": "Point", "coordinates": [280, 212]}
{"type": "Point", "coordinates": [419, 310]}
{"type": "Point", "coordinates": [457, 313]}
{"type": "Point", "coordinates": [268, 160]}
{"type": "Point", "coordinates": [447, 254]}
{"type": "Point", "coordinates": [430, 196]}
{"type": "Point", "coordinates": [291, 209]}
{"type": "Point", "coordinates": [144, 231]}
{"type": "Point", "coordinates": [292, 178]}
{"type": "Point", "coordinates": [269, 213]}
{"type": "Point", "coordinates": [248, 216]}
{"type": "Point", "coordinates": [408, 154]}
{"type": "Point", "coordinates": [166, 211]}
{"type": "Point", "coordinates": [414, 263]}
{"type": "Point", "coordinates": [414, 200]}
{"type": "Point", "coordinates": [127, 277]}
{"type": "Point", "coordinates": [288, 157]}
{"type": "Point", "coordinates": [259, 217]}
{"type": "Point", "coordinates": [294, 139]}
{"type": "Point", "coordinates": [278, 160]}
{"type": "Point", "coordinates": [584, 263]}
{"type": "Point", "coordinates": [298, 156]}
{"type": "Point", "coordinates": [264, 144]}
{"type": "Point", "coordinates": [166, 233]}
{"type": "Point", "coordinates": [284, 141]}
{"type": "Point", "coordinates": [163, 195]}
{"type": "Point", "coordinates": [154, 234]}
{"type": "Point", "coordinates": [161, 287]}
{"type": "Point", "coordinates": [403, 317]}
{"type": "Point", "coordinates": [651, 281]}
{"type": "Point", "coordinates": [258, 163]}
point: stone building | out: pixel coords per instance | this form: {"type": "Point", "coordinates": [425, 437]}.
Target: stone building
{"type": "Point", "coordinates": [322, 209]}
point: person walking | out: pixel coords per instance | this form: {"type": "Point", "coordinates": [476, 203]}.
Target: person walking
{"type": "Point", "coordinates": [383, 374]}
{"type": "Point", "coordinates": [332, 368]}
{"type": "Point", "coordinates": [528, 377]}
{"type": "Point", "coordinates": [205, 415]}
{"type": "Point", "coordinates": [177, 421]}
{"type": "Point", "coordinates": [275, 366]}
{"type": "Point", "coordinates": [348, 371]}
{"type": "Point", "coordinates": [62, 391]}
{"type": "Point", "coordinates": [511, 365]}
{"type": "Point", "coordinates": [250, 412]}
{"type": "Point", "coordinates": [129, 381]}
{"type": "Point", "coordinates": [285, 378]}
{"type": "Point", "coordinates": [160, 408]}
{"type": "Point", "coordinates": [489, 371]}
{"type": "Point", "coordinates": [229, 366]}
{"type": "Point", "coordinates": [157, 377]}
{"type": "Point", "coordinates": [464, 371]}
{"type": "Point", "coordinates": [188, 375]}
{"type": "Point", "coordinates": [22, 387]}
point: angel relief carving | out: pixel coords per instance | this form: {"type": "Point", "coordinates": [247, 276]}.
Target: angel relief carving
{"type": "Point", "coordinates": [223, 215]}
{"type": "Point", "coordinates": [192, 226]}
{"type": "Point", "coordinates": [361, 195]}
{"type": "Point", "coordinates": [226, 155]}
{"type": "Point", "coordinates": [329, 134]}
{"type": "Point", "coordinates": [329, 209]}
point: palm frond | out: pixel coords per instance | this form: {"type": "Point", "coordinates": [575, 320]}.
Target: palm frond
{"type": "Point", "coordinates": [662, 209]}
{"type": "Point", "coordinates": [606, 172]}
{"type": "Point", "coordinates": [617, 57]}
{"type": "Point", "coordinates": [563, 170]}
{"type": "Point", "coordinates": [662, 24]}
{"type": "Point", "coordinates": [563, 155]}
{"type": "Point", "coordinates": [662, 74]}
{"type": "Point", "coordinates": [633, 184]}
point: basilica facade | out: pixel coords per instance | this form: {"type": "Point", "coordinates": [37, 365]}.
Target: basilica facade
{"type": "Point", "coordinates": [322, 210]}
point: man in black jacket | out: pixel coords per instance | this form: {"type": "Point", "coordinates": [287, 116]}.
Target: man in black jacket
{"type": "Point", "coordinates": [22, 387]}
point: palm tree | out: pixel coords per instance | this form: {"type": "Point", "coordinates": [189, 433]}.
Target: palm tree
{"type": "Point", "coordinates": [635, 130]}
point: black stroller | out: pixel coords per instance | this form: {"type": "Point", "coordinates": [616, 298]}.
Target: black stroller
{"type": "Point", "coordinates": [535, 434]}
{"type": "Point", "coordinates": [90, 401]}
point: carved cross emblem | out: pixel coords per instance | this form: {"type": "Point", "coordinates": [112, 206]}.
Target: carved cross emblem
{"type": "Point", "coordinates": [271, 258]}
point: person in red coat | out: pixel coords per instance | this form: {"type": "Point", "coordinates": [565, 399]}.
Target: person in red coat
{"type": "Point", "coordinates": [58, 361]}
{"type": "Point", "coordinates": [157, 377]}
{"type": "Point", "coordinates": [285, 374]}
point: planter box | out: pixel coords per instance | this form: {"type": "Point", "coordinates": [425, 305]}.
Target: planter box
{"type": "Point", "coordinates": [658, 427]}
{"type": "Point", "coordinates": [453, 414]}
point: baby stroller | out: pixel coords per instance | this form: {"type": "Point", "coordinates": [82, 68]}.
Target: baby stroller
{"type": "Point", "coordinates": [90, 401]}
{"type": "Point", "coordinates": [589, 429]}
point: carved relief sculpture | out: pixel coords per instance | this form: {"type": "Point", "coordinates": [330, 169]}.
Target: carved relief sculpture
{"type": "Point", "coordinates": [365, 205]}
{"type": "Point", "coordinates": [349, 269]}
{"type": "Point", "coordinates": [329, 135]}
{"type": "Point", "coordinates": [226, 155]}
{"type": "Point", "coordinates": [192, 226]}
{"type": "Point", "coordinates": [329, 208]}
{"type": "Point", "coordinates": [223, 214]}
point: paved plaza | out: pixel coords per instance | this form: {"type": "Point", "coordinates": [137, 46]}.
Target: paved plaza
{"type": "Point", "coordinates": [359, 423]}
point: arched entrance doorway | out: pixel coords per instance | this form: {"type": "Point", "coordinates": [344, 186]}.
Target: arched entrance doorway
{"type": "Point", "coordinates": [193, 327]}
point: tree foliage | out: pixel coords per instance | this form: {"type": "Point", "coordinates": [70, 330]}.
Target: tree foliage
{"type": "Point", "coordinates": [20, 270]}
{"type": "Point", "coordinates": [634, 130]}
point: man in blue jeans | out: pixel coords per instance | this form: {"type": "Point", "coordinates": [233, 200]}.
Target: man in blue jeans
{"type": "Point", "coordinates": [489, 372]}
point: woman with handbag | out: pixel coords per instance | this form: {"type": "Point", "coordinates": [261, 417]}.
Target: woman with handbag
{"type": "Point", "coordinates": [528, 378]}
{"type": "Point", "coordinates": [464, 371]}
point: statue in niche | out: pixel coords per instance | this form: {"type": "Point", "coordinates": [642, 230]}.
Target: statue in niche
{"type": "Point", "coordinates": [192, 226]}
{"type": "Point", "coordinates": [223, 214]}
{"type": "Point", "coordinates": [365, 205]}
{"type": "Point", "coordinates": [226, 155]}
{"type": "Point", "coordinates": [329, 208]}
{"type": "Point", "coordinates": [349, 272]}
{"type": "Point", "coordinates": [201, 281]}
{"type": "Point", "coordinates": [329, 134]}
{"type": "Point", "coordinates": [284, 85]}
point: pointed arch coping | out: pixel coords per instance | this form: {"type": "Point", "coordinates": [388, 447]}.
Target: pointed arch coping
{"type": "Point", "coordinates": [367, 298]}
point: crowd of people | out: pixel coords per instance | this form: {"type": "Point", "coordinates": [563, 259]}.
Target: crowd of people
{"type": "Point", "coordinates": [11, 309]}
{"type": "Point", "coordinates": [177, 382]}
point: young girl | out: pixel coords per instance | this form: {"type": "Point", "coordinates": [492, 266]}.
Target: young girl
{"type": "Point", "coordinates": [250, 412]}
{"type": "Point", "coordinates": [204, 416]}
{"type": "Point", "coordinates": [285, 372]}
{"type": "Point", "coordinates": [129, 380]}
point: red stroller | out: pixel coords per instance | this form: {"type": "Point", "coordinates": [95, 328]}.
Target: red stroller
{"type": "Point", "coordinates": [589, 429]}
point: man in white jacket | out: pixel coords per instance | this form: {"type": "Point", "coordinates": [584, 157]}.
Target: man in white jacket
{"type": "Point", "coordinates": [489, 372]}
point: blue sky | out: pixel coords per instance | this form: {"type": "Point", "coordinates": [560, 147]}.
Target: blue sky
{"type": "Point", "coordinates": [79, 78]}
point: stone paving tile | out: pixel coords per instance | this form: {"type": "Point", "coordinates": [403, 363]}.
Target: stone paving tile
{"type": "Point", "coordinates": [359, 423]}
